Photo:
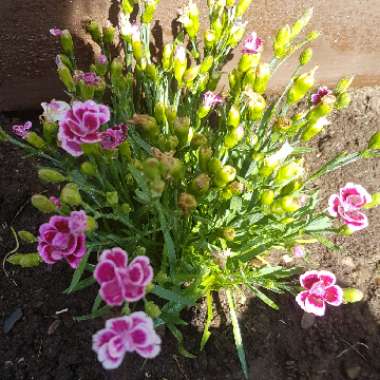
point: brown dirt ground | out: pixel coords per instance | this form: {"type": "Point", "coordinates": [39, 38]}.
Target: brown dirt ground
{"type": "Point", "coordinates": [344, 345]}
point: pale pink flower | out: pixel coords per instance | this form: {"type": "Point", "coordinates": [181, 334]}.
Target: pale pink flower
{"type": "Point", "coordinates": [81, 125]}
{"type": "Point", "coordinates": [347, 203]}
{"type": "Point", "coordinates": [210, 99]}
{"type": "Point", "coordinates": [55, 32]}
{"type": "Point", "coordinates": [320, 289]}
{"type": "Point", "coordinates": [22, 130]}
{"type": "Point", "coordinates": [55, 110]}
{"type": "Point", "coordinates": [253, 44]}
{"type": "Point", "coordinates": [102, 59]}
{"type": "Point", "coordinates": [111, 138]}
{"type": "Point", "coordinates": [298, 251]}
{"type": "Point", "coordinates": [62, 238]}
{"type": "Point", "coordinates": [132, 333]}
{"type": "Point", "coordinates": [119, 281]}
{"type": "Point", "coordinates": [317, 97]}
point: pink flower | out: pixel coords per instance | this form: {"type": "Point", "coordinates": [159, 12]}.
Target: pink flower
{"type": "Point", "coordinates": [211, 99]}
{"type": "Point", "coordinates": [63, 238]}
{"type": "Point", "coordinates": [56, 201]}
{"type": "Point", "coordinates": [347, 203]}
{"type": "Point", "coordinates": [132, 333]}
{"type": "Point", "coordinates": [253, 44]}
{"type": "Point", "coordinates": [317, 97]}
{"type": "Point", "coordinates": [55, 32]}
{"type": "Point", "coordinates": [102, 59]}
{"type": "Point", "coordinates": [81, 124]}
{"type": "Point", "coordinates": [298, 251]}
{"type": "Point", "coordinates": [112, 137]}
{"type": "Point", "coordinates": [90, 78]}
{"type": "Point", "coordinates": [22, 130]}
{"type": "Point", "coordinates": [119, 281]}
{"type": "Point", "coordinates": [320, 289]}
{"type": "Point", "coordinates": [55, 110]}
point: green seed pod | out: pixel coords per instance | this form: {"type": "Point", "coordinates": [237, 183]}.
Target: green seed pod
{"type": "Point", "coordinates": [233, 118]}
{"type": "Point", "coordinates": [43, 204]}
{"type": "Point", "coordinates": [281, 42]}
{"type": "Point", "coordinates": [290, 203]}
{"type": "Point", "coordinates": [205, 154]}
{"type": "Point", "coordinates": [343, 85]}
{"type": "Point", "coordinates": [263, 74]}
{"type": "Point", "coordinates": [152, 309]}
{"type": "Point", "coordinates": [224, 175]}
{"type": "Point", "coordinates": [343, 101]}
{"type": "Point", "coordinates": [34, 140]}
{"type": "Point", "coordinates": [352, 295]}
{"type": "Point", "coordinates": [67, 43]}
{"type": "Point", "coordinates": [51, 176]}
{"type": "Point", "coordinates": [70, 195]}
{"type": "Point", "coordinates": [374, 141]}
{"type": "Point", "coordinates": [306, 56]}
{"type": "Point", "coordinates": [206, 64]}
{"type": "Point", "coordinates": [112, 198]}
{"type": "Point", "coordinates": [187, 202]}
{"type": "Point", "coordinates": [267, 197]}
{"type": "Point", "coordinates": [92, 225]}
{"type": "Point", "coordinates": [200, 184]}
{"type": "Point", "coordinates": [233, 137]}
{"type": "Point", "coordinates": [256, 106]}
{"type": "Point", "coordinates": [94, 30]}
{"type": "Point", "coordinates": [27, 236]}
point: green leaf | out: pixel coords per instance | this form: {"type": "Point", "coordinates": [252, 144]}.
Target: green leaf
{"type": "Point", "coordinates": [237, 333]}
{"type": "Point", "coordinates": [321, 223]}
{"type": "Point", "coordinates": [178, 335]}
{"type": "Point", "coordinates": [100, 312]}
{"type": "Point", "coordinates": [263, 297]}
{"type": "Point", "coordinates": [78, 274]}
{"type": "Point", "coordinates": [250, 253]}
{"type": "Point", "coordinates": [206, 332]}
{"type": "Point", "coordinates": [236, 203]}
{"type": "Point", "coordinates": [96, 304]}
{"type": "Point", "coordinates": [172, 296]}
{"type": "Point", "coordinates": [326, 242]}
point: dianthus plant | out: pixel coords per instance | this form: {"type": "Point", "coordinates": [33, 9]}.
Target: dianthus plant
{"type": "Point", "coordinates": [176, 182]}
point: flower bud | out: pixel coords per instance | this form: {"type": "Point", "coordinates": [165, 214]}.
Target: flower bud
{"type": "Point", "coordinates": [301, 85]}
{"type": "Point", "coordinates": [109, 34]}
{"type": "Point", "coordinates": [49, 131]}
{"type": "Point", "coordinates": [343, 85]}
{"type": "Point", "coordinates": [179, 64]}
{"type": "Point", "coordinates": [160, 112]}
{"type": "Point", "coordinates": [198, 140]}
{"type": "Point", "coordinates": [34, 140]}
{"type": "Point", "coordinates": [51, 176]}
{"type": "Point", "coordinates": [236, 33]}
{"type": "Point", "coordinates": [301, 23]}
{"type": "Point", "coordinates": [200, 184]}
{"type": "Point", "coordinates": [306, 56]}
{"type": "Point", "coordinates": [236, 188]}
{"type": "Point", "coordinates": [147, 123]}
{"type": "Point", "coordinates": [137, 47]}
{"type": "Point", "coordinates": [233, 118]}
{"type": "Point", "coordinates": [125, 150]}
{"type": "Point", "coordinates": [214, 165]}
{"type": "Point", "coordinates": [94, 30]}
{"type": "Point", "coordinates": [152, 309]}
{"type": "Point", "coordinates": [187, 202]}
{"type": "Point", "coordinates": [27, 237]}
{"type": "Point", "coordinates": [181, 129]}
{"type": "Point", "coordinates": [242, 7]}
{"type": "Point", "coordinates": [290, 203]}
{"type": "Point", "coordinates": [276, 208]}
{"type": "Point", "coordinates": [248, 61]}
{"type": "Point", "coordinates": [152, 168]}
{"type": "Point", "coordinates": [313, 128]}
{"type": "Point", "coordinates": [112, 198]}
{"type": "Point", "coordinates": [234, 137]}
{"type": "Point", "coordinates": [288, 172]}
{"type": "Point", "coordinates": [352, 295]}
{"type": "Point", "coordinates": [313, 35]}
{"type": "Point", "coordinates": [171, 114]}
{"type": "Point", "coordinates": [281, 42]}
{"type": "Point", "coordinates": [324, 108]}
{"type": "Point", "coordinates": [267, 197]}
{"type": "Point", "coordinates": [190, 74]}
{"type": "Point", "coordinates": [66, 78]}
{"type": "Point", "coordinates": [205, 154]}
{"type": "Point", "coordinates": [25, 260]}
{"type": "Point", "coordinates": [70, 195]}
{"type": "Point", "coordinates": [88, 169]}
{"type": "Point", "coordinates": [67, 42]}
{"type": "Point", "coordinates": [117, 67]}
{"type": "Point", "coordinates": [43, 204]}
{"type": "Point", "coordinates": [345, 230]}
{"type": "Point", "coordinates": [167, 56]}
{"type": "Point", "coordinates": [282, 124]}
{"type": "Point", "coordinates": [125, 208]}
{"type": "Point", "coordinates": [256, 105]}
{"type": "Point", "coordinates": [343, 100]}
{"type": "Point", "coordinates": [224, 175]}
{"type": "Point", "coordinates": [206, 64]}
{"type": "Point", "coordinates": [374, 141]}
{"type": "Point", "coordinates": [262, 78]}
{"type": "Point", "coordinates": [209, 39]}
{"type": "Point", "coordinates": [229, 233]}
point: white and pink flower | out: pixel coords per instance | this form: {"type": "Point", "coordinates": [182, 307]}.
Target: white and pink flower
{"type": "Point", "coordinates": [253, 44]}
{"type": "Point", "coordinates": [132, 333]}
{"type": "Point", "coordinates": [111, 138]}
{"type": "Point", "coordinates": [320, 289]}
{"type": "Point", "coordinates": [317, 97]}
{"type": "Point", "coordinates": [55, 32]}
{"type": "Point", "coordinates": [55, 110]}
{"type": "Point", "coordinates": [81, 124]}
{"type": "Point", "coordinates": [347, 203]}
{"type": "Point", "coordinates": [298, 251]}
{"type": "Point", "coordinates": [120, 281]}
{"type": "Point", "coordinates": [22, 130]}
{"type": "Point", "coordinates": [89, 78]}
{"type": "Point", "coordinates": [210, 99]}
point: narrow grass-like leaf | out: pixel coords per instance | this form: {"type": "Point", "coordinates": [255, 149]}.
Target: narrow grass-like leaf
{"type": "Point", "coordinates": [181, 348]}
{"type": "Point", "coordinates": [206, 332]}
{"type": "Point", "coordinates": [96, 304]}
{"type": "Point", "coordinates": [263, 297]}
{"type": "Point", "coordinates": [237, 333]}
{"type": "Point", "coordinates": [78, 274]}
{"type": "Point", "coordinates": [169, 295]}
{"type": "Point", "coordinates": [100, 312]}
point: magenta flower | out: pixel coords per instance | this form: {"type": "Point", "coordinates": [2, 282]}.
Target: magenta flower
{"type": "Point", "coordinates": [253, 44]}
{"type": "Point", "coordinates": [211, 99]}
{"type": "Point", "coordinates": [102, 59]}
{"type": "Point", "coordinates": [56, 201]}
{"type": "Point", "coordinates": [90, 78]}
{"type": "Point", "coordinates": [317, 97]}
{"type": "Point", "coordinates": [320, 289]}
{"type": "Point", "coordinates": [63, 238]}
{"type": "Point", "coordinates": [81, 124]}
{"type": "Point", "coordinates": [347, 203]}
{"type": "Point", "coordinates": [55, 32]}
{"type": "Point", "coordinates": [119, 281]}
{"type": "Point", "coordinates": [111, 138]}
{"type": "Point", "coordinates": [55, 110]}
{"type": "Point", "coordinates": [22, 130]}
{"type": "Point", "coordinates": [132, 333]}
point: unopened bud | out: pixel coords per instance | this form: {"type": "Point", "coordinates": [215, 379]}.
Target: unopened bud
{"type": "Point", "coordinates": [343, 85]}
{"type": "Point", "coordinates": [306, 56]}
{"type": "Point", "coordinates": [34, 140]}
{"type": "Point", "coordinates": [179, 63]}
{"type": "Point", "coordinates": [205, 154]}
{"type": "Point", "coordinates": [147, 123]}
{"type": "Point", "coordinates": [66, 77]}
{"type": "Point", "coordinates": [70, 195]}
{"type": "Point", "coordinates": [200, 184]}
{"type": "Point", "coordinates": [282, 124]}
{"type": "Point", "coordinates": [198, 140]}
{"type": "Point", "coordinates": [112, 198]}
{"type": "Point", "coordinates": [352, 295]}
{"type": "Point", "coordinates": [181, 129]}
{"type": "Point", "coordinates": [234, 137]}
{"type": "Point", "coordinates": [288, 172]}
{"type": "Point", "coordinates": [148, 13]}
{"type": "Point", "coordinates": [167, 56]}
{"type": "Point", "coordinates": [262, 78]}
{"type": "Point", "coordinates": [160, 112]}
{"type": "Point", "coordinates": [88, 169]}
{"type": "Point", "coordinates": [49, 131]}
{"type": "Point", "coordinates": [152, 309]}
{"type": "Point", "coordinates": [209, 39]}
{"type": "Point", "coordinates": [91, 225]}
{"type": "Point", "coordinates": [94, 30]}
{"type": "Point", "coordinates": [256, 106]}
{"type": "Point", "coordinates": [242, 7]}
{"type": "Point", "coordinates": [43, 204]}
{"type": "Point", "coordinates": [301, 23]}
{"type": "Point", "coordinates": [27, 236]}
{"type": "Point", "coordinates": [267, 197]}
{"type": "Point", "coordinates": [301, 85]}
{"type": "Point", "coordinates": [67, 43]}
{"type": "Point", "coordinates": [206, 64]}
{"type": "Point", "coordinates": [313, 35]}
{"type": "Point", "coordinates": [51, 176]}
{"type": "Point", "coordinates": [152, 168]}
{"type": "Point", "coordinates": [233, 118]}
{"type": "Point", "coordinates": [290, 203]}
{"type": "Point", "coordinates": [248, 61]}
{"type": "Point", "coordinates": [343, 100]}
{"type": "Point", "coordinates": [229, 233]}
{"type": "Point", "coordinates": [281, 42]}
{"type": "Point", "coordinates": [236, 188]}
{"type": "Point", "coordinates": [224, 175]}
{"type": "Point", "coordinates": [374, 141]}
{"type": "Point", "coordinates": [187, 202]}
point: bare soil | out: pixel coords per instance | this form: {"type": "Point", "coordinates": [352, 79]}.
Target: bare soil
{"type": "Point", "coordinates": [46, 344]}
